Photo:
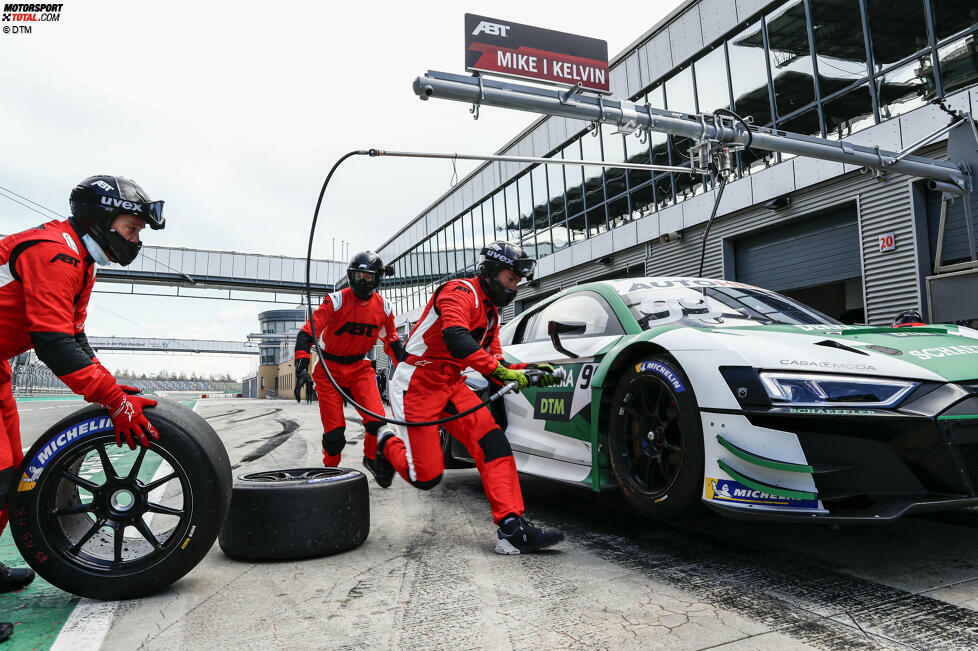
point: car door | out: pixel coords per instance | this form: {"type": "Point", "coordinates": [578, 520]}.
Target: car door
{"type": "Point", "coordinates": [554, 423]}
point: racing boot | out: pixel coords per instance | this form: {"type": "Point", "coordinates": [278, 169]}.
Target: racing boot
{"type": "Point", "coordinates": [379, 466]}
{"type": "Point", "coordinates": [517, 535]}
{"type": "Point", "coordinates": [14, 578]}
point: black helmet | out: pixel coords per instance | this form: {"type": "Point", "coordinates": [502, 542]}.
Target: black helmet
{"type": "Point", "coordinates": [98, 200]}
{"type": "Point", "coordinates": [909, 317]}
{"type": "Point", "coordinates": [365, 271]}
{"type": "Point", "coordinates": [498, 256]}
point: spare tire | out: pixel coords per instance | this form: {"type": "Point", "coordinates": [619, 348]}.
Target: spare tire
{"type": "Point", "coordinates": [296, 513]}
{"type": "Point", "coordinates": [106, 522]}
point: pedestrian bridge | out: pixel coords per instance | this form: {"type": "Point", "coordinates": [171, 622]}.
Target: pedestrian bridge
{"type": "Point", "coordinates": [224, 270]}
{"type": "Point", "coordinates": [149, 344]}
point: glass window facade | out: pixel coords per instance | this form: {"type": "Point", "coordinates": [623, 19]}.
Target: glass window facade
{"type": "Point", "coordinates": [816, 67]}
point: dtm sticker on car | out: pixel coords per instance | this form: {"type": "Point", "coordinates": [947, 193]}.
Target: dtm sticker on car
{"type": "Point", "coordinates": [727, 490]}
{"type": "Point", "coordinates": [554, 405]}
{"type": "Point", "coordinates": [567, 398]}
{"type": "Point", "coordinates": [664, 371]}
{"type": "Point", "coordinates": [58, 443]}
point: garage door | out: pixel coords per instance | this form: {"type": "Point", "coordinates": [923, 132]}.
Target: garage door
{"type": "Point", "coordinates": [815, 251]}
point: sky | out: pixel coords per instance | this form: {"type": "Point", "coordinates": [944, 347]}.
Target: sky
{"type": "Point", "coordinates": [233, 113]}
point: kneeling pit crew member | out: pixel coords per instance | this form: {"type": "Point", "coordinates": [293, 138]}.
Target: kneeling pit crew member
{"type": "Point", "coordinates": [46, 278]}
{"type": "Point", "coordinates": [459, 328]}
{"type": "Point", "coordinates": [348, 323]}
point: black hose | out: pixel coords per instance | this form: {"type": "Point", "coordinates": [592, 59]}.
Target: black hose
{"type": "Point", "coordinates": [315, 339]}
{"type": "Point", "coordinates": [706, 233]}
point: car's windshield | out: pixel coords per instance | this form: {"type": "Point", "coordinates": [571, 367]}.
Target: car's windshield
{"type": "Point", "coordinates": [721, 306]}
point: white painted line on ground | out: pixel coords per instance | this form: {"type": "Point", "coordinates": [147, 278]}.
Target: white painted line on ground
{"type": "Point", "coordinates": [91, 620]}
{"type": "Point", "coordinates": [86, 627]}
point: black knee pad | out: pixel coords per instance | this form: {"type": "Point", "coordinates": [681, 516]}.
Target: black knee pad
{"type": "Point", "coordinates": [5, 476]}
{"type": "Point", "coordinates": [372, 427]}
{"type": "Point", "coordinates": [495, 445]}
{"type": "Point", "coordinates": [334, 440]}
{"type": "Point", "coordinates": [428, 484]}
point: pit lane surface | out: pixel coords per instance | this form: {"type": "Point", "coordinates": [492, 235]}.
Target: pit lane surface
{"type": "Point", "coordinates": [427, 577]}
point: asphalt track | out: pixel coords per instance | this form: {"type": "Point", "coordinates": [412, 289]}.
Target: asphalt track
{"type": "Point", "coordinates": [427, 577]}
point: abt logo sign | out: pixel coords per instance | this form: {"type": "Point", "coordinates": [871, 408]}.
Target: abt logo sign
{"type": "Point", "coordinates": [493, 29]}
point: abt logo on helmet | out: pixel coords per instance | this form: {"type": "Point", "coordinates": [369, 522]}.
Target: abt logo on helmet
{"type": "Point", "coordinates": [105, 186]}
{"type": "Point", "coordinates": [121, 203]}
{"type": "Point", "coordinates": [493, 29]}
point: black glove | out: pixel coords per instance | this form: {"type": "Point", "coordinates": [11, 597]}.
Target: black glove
{"type": "Point", "coordinates": [301, 376]}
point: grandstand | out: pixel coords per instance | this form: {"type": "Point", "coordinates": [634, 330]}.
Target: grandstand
{"type": "Point", "coordinates": [154, 386]}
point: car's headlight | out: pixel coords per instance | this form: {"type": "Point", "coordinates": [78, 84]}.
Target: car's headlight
{"type": "Point", "coordinates": [821, 390]}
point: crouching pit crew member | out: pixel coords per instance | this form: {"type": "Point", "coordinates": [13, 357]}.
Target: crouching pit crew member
{"type": "Point", "coordinates": [459, 328]}
{"type": "Point", "coordinates": [348, 323]}
{"type": "Point", "coordinates": [46, 278]}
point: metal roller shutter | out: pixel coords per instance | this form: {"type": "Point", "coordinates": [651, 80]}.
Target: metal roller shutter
{"type": "Point", "coordinates": [812, 252]}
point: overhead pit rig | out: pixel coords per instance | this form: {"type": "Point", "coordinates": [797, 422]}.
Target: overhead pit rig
{"type": "Point", "coordinates": [720, 135]}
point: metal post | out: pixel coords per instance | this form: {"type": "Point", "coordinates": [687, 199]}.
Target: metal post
{"type": "Point", "coordinates": [945, 200]}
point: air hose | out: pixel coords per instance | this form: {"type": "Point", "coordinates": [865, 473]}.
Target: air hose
{"type": "Point", "coordinates": [506, 388]}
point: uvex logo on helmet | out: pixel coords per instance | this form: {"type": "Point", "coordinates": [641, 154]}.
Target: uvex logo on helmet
{"type": "Point", "coordinates": [121, 203]}
{"type": "Point", "coordinates": [493, 253]}
{"type": "Point", "coordinates": [493, 29]}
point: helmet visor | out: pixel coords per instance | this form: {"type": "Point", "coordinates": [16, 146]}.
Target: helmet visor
{"type": "Point", "coordinates": [524, 268]}
{"type": "Point", "coordinates": [366, 277]}
{"type": "Point", "coordinates": [152, 212]}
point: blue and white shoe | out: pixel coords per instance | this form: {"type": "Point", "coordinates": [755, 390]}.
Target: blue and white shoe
{"type": "Point", "coordinates": [517, 535]}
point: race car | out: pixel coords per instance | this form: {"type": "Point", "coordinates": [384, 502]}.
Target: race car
{"type": "Point", "coordinates": [682, 391]}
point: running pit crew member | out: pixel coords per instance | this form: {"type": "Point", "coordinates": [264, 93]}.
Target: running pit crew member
{"type": "Point", "coordinates": [348, 323]}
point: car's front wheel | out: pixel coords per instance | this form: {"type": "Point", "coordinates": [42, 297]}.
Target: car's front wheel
{"type": "Point", "coordinates": [655, 439]}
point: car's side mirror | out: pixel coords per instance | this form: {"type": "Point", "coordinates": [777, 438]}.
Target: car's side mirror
{"type": "Point", "coordinates": [556, 328]}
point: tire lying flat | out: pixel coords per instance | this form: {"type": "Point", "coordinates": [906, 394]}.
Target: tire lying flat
{"type": "Point", "coordinates": [296, 513]}
{"type": "Point", "coordinates": [106, 522]}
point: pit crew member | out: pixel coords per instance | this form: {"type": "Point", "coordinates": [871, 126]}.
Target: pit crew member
{"type": "Point", "coordinates": [348, 323]}
{"type": "Point", "coordinates": [459, 328]}
{"type": "Point", "coordinates": [46, 278]}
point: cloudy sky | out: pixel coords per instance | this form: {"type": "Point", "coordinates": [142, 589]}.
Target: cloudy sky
{"type": "Point", "coordinates": [233, 112]}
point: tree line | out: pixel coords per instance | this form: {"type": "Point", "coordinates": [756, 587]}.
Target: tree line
{"type": "Point", "coordinates": [174, 375]}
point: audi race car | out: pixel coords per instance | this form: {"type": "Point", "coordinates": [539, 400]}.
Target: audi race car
{"type": "Point", "coordinates": [681, 390]}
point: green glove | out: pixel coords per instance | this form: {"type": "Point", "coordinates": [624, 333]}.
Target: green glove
{"type": "Point", "coordinates": [546, 377]}
{"type": "Point", "coordinates": [506, 375]}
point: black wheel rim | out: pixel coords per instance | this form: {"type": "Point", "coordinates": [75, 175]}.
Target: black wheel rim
{"type": "Point", "coordinates": [114, 510]}
{"type": "Point", "coordinates": [293, 474]}
{"type": "Point", "coordinates": [648, 444]}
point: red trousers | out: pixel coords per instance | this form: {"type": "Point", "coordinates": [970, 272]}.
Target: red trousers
{"type": "Point", "coordinates": [10, 450]}
{"type": "Point", "coordinates": [421, 394]}
{"type": "Point", "coordinates": [359, 382]}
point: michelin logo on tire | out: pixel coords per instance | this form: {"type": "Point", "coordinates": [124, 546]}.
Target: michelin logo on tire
{"type": "Point", "coordinates": [664, 371]}
{"type": "Point", "coordinates": [58, 443]}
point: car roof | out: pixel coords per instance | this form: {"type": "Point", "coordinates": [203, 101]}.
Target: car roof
{"type": "Point", "coordinates": [626, 285]}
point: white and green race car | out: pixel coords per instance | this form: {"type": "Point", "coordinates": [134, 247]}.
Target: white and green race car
{"type": "Point", "coordinates": [688, 390]}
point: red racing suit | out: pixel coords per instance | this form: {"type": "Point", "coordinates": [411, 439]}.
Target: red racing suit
{"type": "Point", "coordinates": [46, 278]}
{"type": "Point", "coordinates": [347, 328]}
{"type": "Point", "coordinates": [459, 328]}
